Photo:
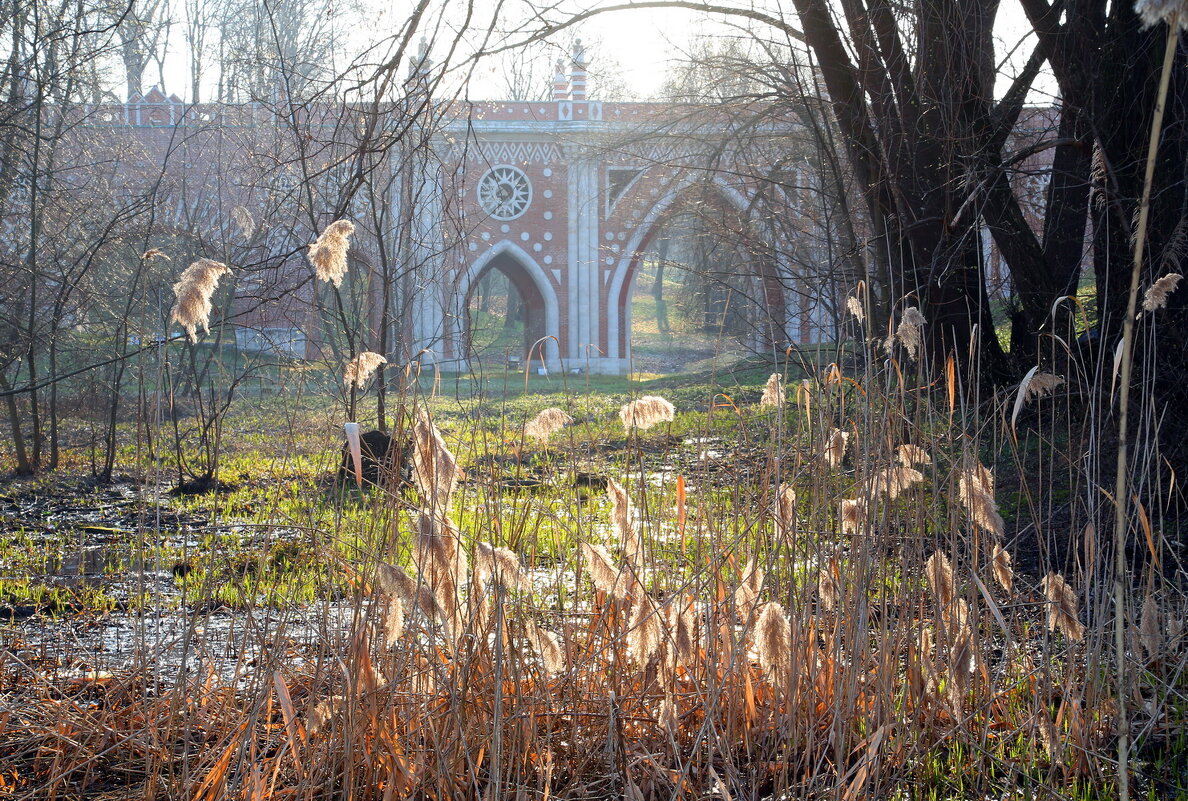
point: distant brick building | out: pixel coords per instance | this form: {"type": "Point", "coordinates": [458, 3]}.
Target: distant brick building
{"type": "Point", "coordinates": [563, 196]}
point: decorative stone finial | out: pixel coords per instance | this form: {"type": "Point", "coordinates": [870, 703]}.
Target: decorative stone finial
{"type": "Point", "coordinates": [560, 82]}
{"type": "Point", "coordinates": [419, 66]}
{"type": "Point", "coordinates": [577, 75]}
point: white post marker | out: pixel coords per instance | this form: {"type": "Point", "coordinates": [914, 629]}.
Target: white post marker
{"type": "Point", "coordinates": [352, 435]}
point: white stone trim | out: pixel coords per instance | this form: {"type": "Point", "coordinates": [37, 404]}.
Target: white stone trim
{"type": "Point", "coordinates": [552, 325]}
{"type": "Point", "coordinates": [622, 351]}
{"type": "Point", "coordinates": [590, 268]}
{"type": "Point", "coordinates": [572, 258]}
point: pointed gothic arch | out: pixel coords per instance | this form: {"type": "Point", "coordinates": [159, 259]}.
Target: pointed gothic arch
{"type": "Point", "coordinates": [691, 189]}
{"type": "Point", "coordinates": [542, 318]}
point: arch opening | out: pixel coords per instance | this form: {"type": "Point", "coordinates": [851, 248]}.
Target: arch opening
{"type": "Point", "coordinates": [505, 313]}
{"type": "Point", "coordinates": [699, 287]}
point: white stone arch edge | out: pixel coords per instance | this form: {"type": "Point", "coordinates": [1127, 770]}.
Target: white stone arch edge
{"type": "Point", "coordinates": [645, 225]}
{"type": "Point", "coordinates": [552, 321]}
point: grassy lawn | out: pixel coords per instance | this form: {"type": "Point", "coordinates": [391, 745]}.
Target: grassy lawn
{"type": "Point", "coordinates": [725, 615]}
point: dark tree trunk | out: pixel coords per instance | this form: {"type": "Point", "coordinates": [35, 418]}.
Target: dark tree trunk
{"type": "Point", "coordinates": [24, 468]}
{"type": "Point", "coordinates": [1109, 65]}
{"type": "Point", "coordinates": [662, 324]}
{"type": "Point", "coordinates": [515, 308]}
{"type": "Point", "coordinates": [909, 136]}
{"type": "Point", "coordinates": [134, 64]}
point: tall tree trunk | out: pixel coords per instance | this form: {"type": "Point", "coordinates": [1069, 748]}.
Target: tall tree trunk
{"type": "Point", "coordinates": [134, 64]}
{"type": "Point", "coordinates": [18, 437]}
{"type": "Point", "coordinates": [515, 308]}
{"type": "Point", "coordinates": [662, 324]}
{"type": "Point", "coordinates": [379, 217]}
{"type": "Point", "coordinates": [32, 268]}
{"type": "Point", "coordinates": [53, 402]}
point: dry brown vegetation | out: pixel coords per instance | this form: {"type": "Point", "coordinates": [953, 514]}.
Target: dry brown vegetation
{"type": "Point", "coordinates": [791, 642]}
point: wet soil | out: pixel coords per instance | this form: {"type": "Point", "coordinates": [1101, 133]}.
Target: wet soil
{"type": "Point", "coordinates": [125, 539]}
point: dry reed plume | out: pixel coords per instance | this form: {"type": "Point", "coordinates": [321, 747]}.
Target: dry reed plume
{"type": "Point", "coordinates": [941, 579]}
{"type": "Point", "coordinates": [684, 635]}
{"type": "Point", "coordinates": [546, 423]}
{"type": "Point", "coordinates": [435, 470]}
{"type": "Point", "coordinates": [773, 640]}
{"type": "Point", "coordinates": [500, 564]}
{"type": "Point", "coordinates": [1041, 384]}
{"type": "Point", "coordinates": [397, 583]}
{"type": "Point", "coordinates": [441, 561]}
{"type": "Point", "coordinates": [975, 489]}
{"type": "Point", "coordinates": [1062, 607]}
{"type": "Point", "coordinates": [1156, 295]}
{"type": "Point", "coordinates": [953, 627]}
{"type": "Point", "coordinates": [854, 307]}
{"type": "Point", "coordinates": [785, 511]}
{"type": "Point", "coordinates": [622, 520]}
{"type": "Point", "coordinates": [909, 333]}
{"type": "Point", "coordinates": [645, 629]}
{"type": "Point", "coordinates": [391, 624]}
{"type": "Point", "coordinates": [980, 477]}
{"type": "Point", "coordinates": [962, 659]}
{"type": "Point", "coordinates": [747, 595]}
{"type": "Point", "coordinates": [1153, 12]}
{"type": "Point", "coordinates": [773, 392]}
{"type": "Point", "coordinates": [608, 578]}
{"type": "Point", "coordinates": [361, 368]}
{"type": "Point", "coordinates": [853, 515]}
{"type": "Point", "coordinates": [893, 481]}
{"type": "Point", "coordinates": [548, 645]}
{"type": "Point", "coordinates": [828, 591]}
{"type": "Point", "coordinates": [911, 455]}
{"type": "Point", "coordinates": [667, 715]}
{"type": "Point", "coordinates": [835, 447]}
{"type": "Point", "coordinates": [194, 290]}
{"type": "Point", "coordinates": [1000, 563]}
{"type": "Point", "coordinates": [328, 253]}
{"type": "Point", "coordinates": [646, 412]}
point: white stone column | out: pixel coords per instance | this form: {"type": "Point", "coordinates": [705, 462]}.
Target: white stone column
{"type": "Point", "coordinates": [582, 264]}
{"type": "Point", "coordinates": [584, 306]}
{"type": "Point", "coordinates": [573, 287]}
{"type": "Point", "coordinates": [594, 274]}
{"type": "Point", "coordinates": [430, 284]}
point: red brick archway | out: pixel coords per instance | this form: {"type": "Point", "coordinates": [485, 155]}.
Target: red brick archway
{"type": "Point", "coordinates": [531, 295]}
{"type": "Point", "coordinates": [725, 210]}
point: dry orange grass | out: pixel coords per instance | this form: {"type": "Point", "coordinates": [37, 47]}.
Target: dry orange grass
{"type": "Point", "coordinates": [649, 695]}
{"type": "Point", "coordinates": [664, 696]}
{"type": "Point", "coordinates": [798, 644]}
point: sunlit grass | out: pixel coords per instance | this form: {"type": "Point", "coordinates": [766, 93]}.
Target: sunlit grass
{"type": "Point", "coordinates": [286, 559]}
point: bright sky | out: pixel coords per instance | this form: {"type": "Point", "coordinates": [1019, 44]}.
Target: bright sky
{"type": "Point", "coordinates": [645, 43]}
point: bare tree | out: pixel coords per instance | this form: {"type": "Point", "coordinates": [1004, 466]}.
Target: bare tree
{"type": "Point", "coordinates": [141, 26]}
